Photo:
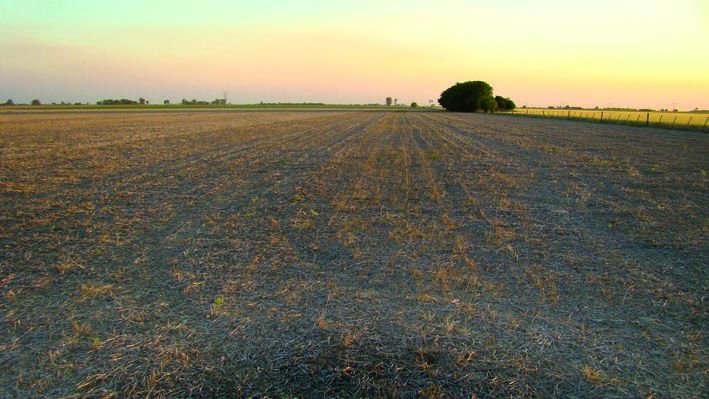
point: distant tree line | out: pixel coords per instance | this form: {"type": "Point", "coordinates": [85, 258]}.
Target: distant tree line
{"type": "Point", "coordinates": [9, 102]}
{"type": "Point", "coordinates": [218, 101]}
{"type": "Point", "coordinates": [142, 101]}
{"type": "Point", "coordinates": [304, 103]}
{"type": "Point", "coordinates": [122, 101]}
{"type": "Point", "coordinates": [474, 96]}
{"type": "Point", "coordinates": [395, 101]}
{"type": "Point", "coordinates": [36, 101]}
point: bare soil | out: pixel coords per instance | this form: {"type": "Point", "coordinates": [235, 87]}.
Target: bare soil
{"type": "Point", "coordinates": [351, 254]}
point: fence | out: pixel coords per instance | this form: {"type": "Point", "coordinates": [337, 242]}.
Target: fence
{"type": "Point", "coordinates": [669, 120]}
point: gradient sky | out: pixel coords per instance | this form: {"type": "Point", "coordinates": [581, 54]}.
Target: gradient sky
{"type": "Point", "coordinates": [618, 53]}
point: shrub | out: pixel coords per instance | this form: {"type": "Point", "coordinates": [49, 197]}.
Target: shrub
{"type": "Point", "coordinates": [504, 103]}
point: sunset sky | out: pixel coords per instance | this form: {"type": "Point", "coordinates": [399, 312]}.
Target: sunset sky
{"type": "Point", "coordinates": [617, 53]}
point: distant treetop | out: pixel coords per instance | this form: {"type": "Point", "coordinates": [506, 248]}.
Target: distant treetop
{"type": "Point", "coordinates": [504, 103]}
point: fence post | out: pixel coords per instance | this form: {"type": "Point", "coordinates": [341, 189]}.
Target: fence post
{"type": "Point", "coordinates": [689, 122]}
{"type": "Point", "coordinates": [568, 116]}
{"type": "Point", "coordinates": [601, 116]}
{"type": "Point", "coordinates": [647, 119]}
{"type": "Point", "coordinates": [705, 122]}
{"type": "Point", "coordinates": [673, 121]}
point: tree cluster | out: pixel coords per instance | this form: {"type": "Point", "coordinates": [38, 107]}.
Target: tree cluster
{"type": "Point", "coordinates": [473, 96]}
{"type": "Point", "coordinates": [504, 103]}
{"type": "Point", "coordinates": [122, 101]}
{"type": "Point", "coordinates": [218, 101]}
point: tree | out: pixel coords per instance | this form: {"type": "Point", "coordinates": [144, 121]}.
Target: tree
{"type": "Point", "coordinates": [504, 103]}
{"type": "Point", "coordinates": [489, 104]}
{"type": "Point", "coordinates": [166, 102]}
{"type": "Point", "coordinates": [471, 96]}
{"type": "Point", "coordinates": [141, 100]}
{"type": "Point", "coordinates": [414, 105]}
{"type": "Point", "coordinates": [9, 102]}
{"type": "Point", "coordinates": [389, 100]}
{"type": "Point", "coordinates": [36, 102]}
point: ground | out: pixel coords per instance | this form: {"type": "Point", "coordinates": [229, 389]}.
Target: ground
{"type": "Point", "coordinates": [351, 254]}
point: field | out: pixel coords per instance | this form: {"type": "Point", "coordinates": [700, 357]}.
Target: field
{"type": "Point", "coordinates": [677, 120]}
{"type": "Point", "coordinates": [27, 109]}
{"type": "Point", "coordinates": [351, 254]}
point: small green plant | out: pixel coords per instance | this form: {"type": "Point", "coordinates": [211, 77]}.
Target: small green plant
{"type": "Point", "coordinates": [297, 198]}
{"type": "Point", "coordinates": [216, 306]}
{"type": "Point", "coordinates": [96, 343]}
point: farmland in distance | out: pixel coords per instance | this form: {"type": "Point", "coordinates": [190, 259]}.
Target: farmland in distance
{"type": "Point", "coordinates": [331, 254]}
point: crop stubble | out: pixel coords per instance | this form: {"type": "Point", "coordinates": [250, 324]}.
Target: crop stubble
{"type": "Point", "coordinates": [350, 254]}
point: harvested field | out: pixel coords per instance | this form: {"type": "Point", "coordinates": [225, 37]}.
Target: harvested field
{"type": "Point", "coordinates": [351, 254]}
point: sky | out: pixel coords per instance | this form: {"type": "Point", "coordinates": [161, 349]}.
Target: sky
{"type": "Point", "coordinates": [618, 53]}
